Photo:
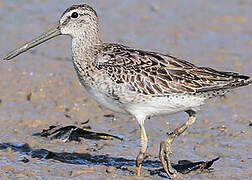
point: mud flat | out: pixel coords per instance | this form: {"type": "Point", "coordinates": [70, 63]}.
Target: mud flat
{"type": "Point", "coordinates": [40, 88]}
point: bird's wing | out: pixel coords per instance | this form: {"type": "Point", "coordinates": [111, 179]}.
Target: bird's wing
{"type": "Point", "coordinates": [157, 74]}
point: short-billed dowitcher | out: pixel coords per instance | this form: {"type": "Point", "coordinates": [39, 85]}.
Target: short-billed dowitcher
{"type": "Point", "coordinates": [136, 82]}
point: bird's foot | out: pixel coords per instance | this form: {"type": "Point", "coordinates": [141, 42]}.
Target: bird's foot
{"type": "Point", "coordinates": [165, 151]}
{"type": "Point", "coordinates": [139, 161]}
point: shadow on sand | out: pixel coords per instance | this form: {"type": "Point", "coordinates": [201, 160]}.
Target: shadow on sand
{"type": "Point", "coordinates": [183, 166]}
{"type": "Point", "coordinates": [73, 133]}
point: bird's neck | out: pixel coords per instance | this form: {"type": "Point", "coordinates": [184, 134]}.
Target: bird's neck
{"type": "Point", "coordinates": [84, 51]}
{"type": "Point", "coordinates": [84, 47]}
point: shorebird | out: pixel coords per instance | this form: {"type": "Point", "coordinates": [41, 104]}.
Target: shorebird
{"type": "Point", "coordinates": [136, 82]}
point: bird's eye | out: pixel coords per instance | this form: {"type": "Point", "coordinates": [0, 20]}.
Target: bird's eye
{"type": "Point", "coordinates": [74, 15]}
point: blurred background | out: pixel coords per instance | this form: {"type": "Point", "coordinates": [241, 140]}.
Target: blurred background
{"type": "Point", "coordinates": [40, 88]}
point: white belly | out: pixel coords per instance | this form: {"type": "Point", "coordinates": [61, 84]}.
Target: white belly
{"type": "Point", "coordinates": [165, 105]}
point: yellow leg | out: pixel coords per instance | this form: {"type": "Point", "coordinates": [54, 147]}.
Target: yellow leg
{"type": "Point", "coordinates": [165, 146]}
{"type": "Point", "coordinates": [141, 156]}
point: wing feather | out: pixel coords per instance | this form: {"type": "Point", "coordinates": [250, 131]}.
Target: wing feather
{"type": "Point", "coordinates": [153, 73]}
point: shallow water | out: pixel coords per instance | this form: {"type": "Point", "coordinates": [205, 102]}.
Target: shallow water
{"type": "Point", "coordinates": [208, 33]}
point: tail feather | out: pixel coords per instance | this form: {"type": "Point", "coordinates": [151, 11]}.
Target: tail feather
{"type": "Point", "coordinates": [236, 81]}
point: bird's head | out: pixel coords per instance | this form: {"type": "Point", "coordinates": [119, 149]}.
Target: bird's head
{"type": "Point", "coordinates": [78, 21]}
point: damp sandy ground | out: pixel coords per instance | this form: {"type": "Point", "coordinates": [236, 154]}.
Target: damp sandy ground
{"type": "Point", "coordinates": [40, 88]}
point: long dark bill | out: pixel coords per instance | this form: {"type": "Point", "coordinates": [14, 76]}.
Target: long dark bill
{"type": "Point", "coordinates": [35, 42]}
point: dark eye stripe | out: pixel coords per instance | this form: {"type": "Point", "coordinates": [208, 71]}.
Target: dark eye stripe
{"type": "Point", "coordinates": [85, 14]}
{"type": "Point", "coordinates": [66, 21]}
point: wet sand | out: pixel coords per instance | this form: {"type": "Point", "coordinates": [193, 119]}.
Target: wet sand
{"type": "Point", "coordinates": [40, 88]}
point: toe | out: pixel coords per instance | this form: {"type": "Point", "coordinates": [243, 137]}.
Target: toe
{"type": "Point", "coordinates": [165, 151]}
{"type": "Point", "coordinates": [138, 170]}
